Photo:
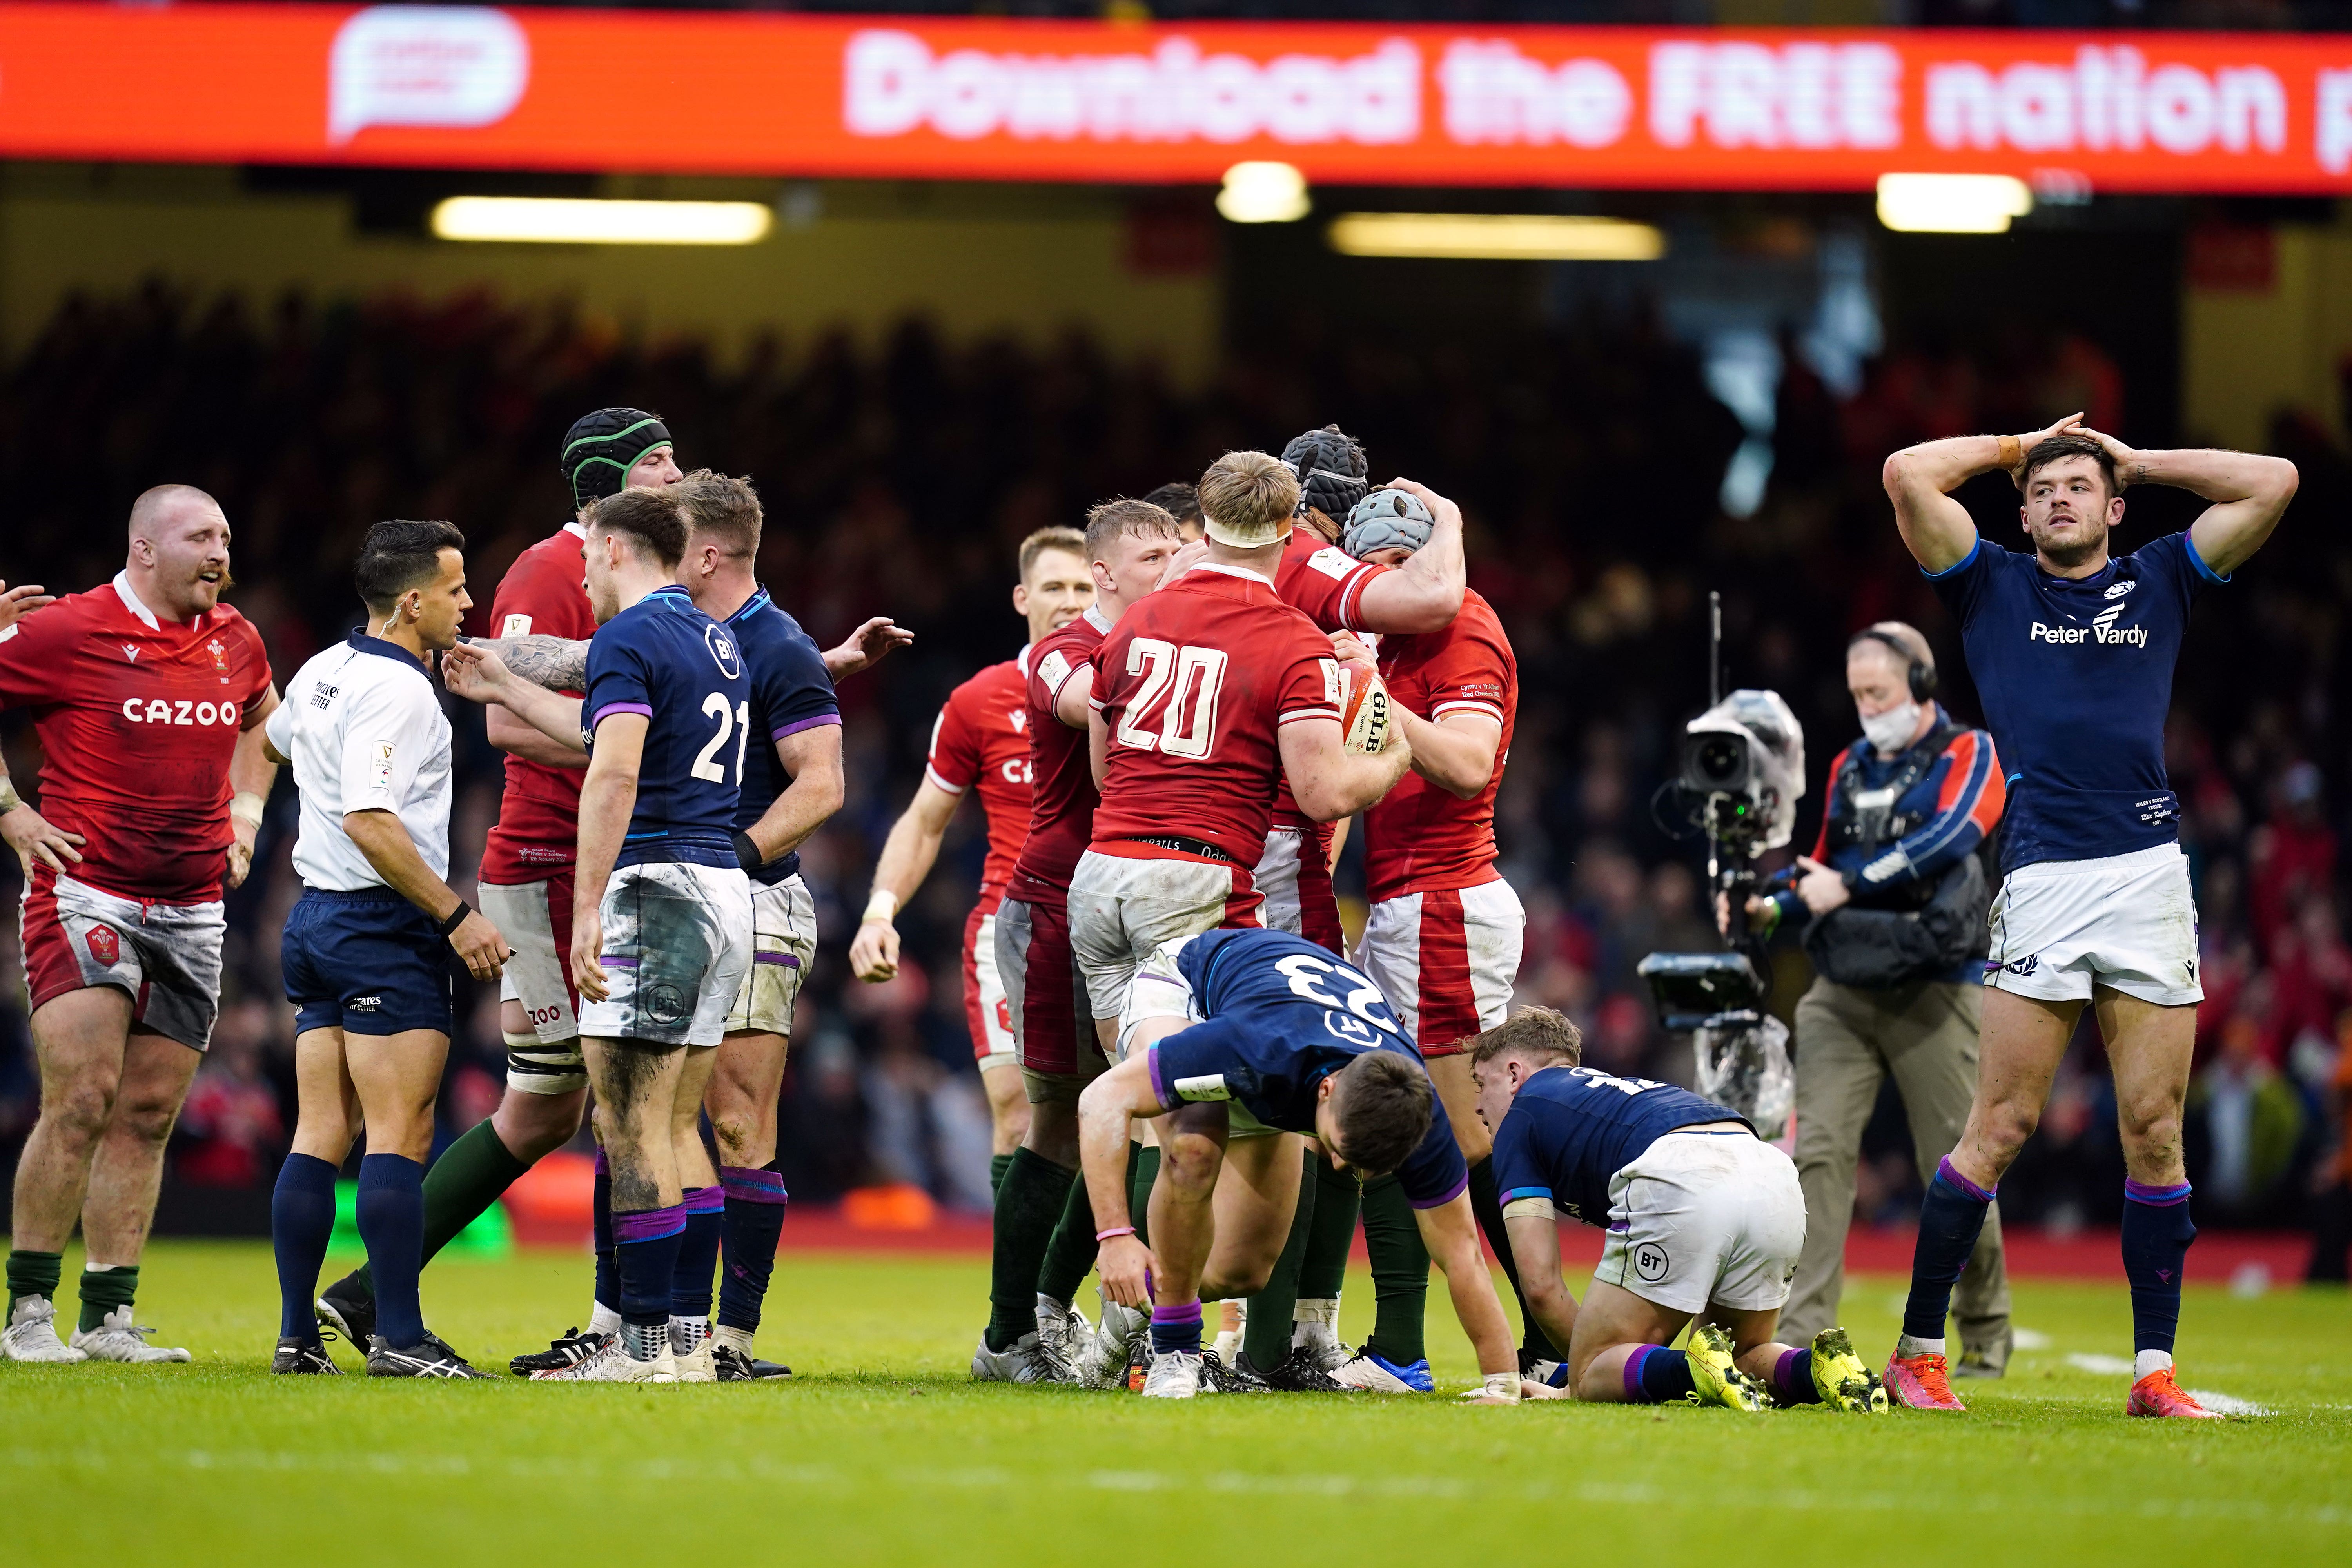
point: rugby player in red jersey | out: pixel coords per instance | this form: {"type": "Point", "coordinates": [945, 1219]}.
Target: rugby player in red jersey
{"type": "Point", "coordinates": [980, 746]}
{"type": "Point", "coordinates": [1129, 543]}
{"type": "Point", "coordinates": [148, 696]}
{"type": "Point", "coordinates": [1207, 695]}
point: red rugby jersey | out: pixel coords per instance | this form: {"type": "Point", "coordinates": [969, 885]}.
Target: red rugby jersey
{"type": "Point", "coordinates": [544, 592]}
{"type": "Point", "coordinates": [1062, 809]}
{"type": "Point", "coordinates": [1327, 584]}
{"type": "Point", "coordinates": [980, 742]}
{"type": "Point", "coordinates": [1195, 683]}
{"type": "Point", "coordinates": [1419, 839]}
{"type": "Point", "coordinates": [138, 717]}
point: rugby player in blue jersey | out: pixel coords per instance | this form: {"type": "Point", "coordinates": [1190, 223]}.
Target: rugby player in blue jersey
{"type": "Point", "coordinates": [1705, 1220]}
{"type": "Point", "coordinates": [1241, 1043]}
{"type": "Point", "coordinates": [2072, 650]}
{"type": "Point", "coordinates": [662, 911]}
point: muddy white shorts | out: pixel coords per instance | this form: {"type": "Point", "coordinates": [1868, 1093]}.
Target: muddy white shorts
{"type": "Point", "coordinates": [166, 957]}
{"type": "Point", "coordinates": [677, 941]}
{"type": "Point", "coordinates": [2127, 922]}
{"type": "Point", "coordinates": [1447, 962]}
{"type": "Point", "coordinates": [1701, 1219]}
{"type": "Point", "coordinates": [783, 945]}
{"type": "Point", "coordinates": [1122, 907]}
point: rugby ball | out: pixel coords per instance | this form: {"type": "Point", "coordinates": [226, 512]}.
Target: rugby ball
{"type": "Point", "coordinates": [1364, 716]}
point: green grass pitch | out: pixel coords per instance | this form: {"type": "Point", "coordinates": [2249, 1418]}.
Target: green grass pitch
{"type": "Point", "coordinates": [881, 1451]}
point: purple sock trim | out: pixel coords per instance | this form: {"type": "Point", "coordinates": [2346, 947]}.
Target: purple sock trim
{"type": "Point", "coordinates": [1982, 1194]}
{"type": "Point", "coordinates": [601, 1168]}
{"type": "Point", "coordinates": [704, 1200]}
{"type": "Point", "coordinates": [2151, 1193]}
{"type": "Point", "coordinates": [1189, 1313]}
{"type": "Point", "coordinates": [649, 1225]}
{"type": "Point", "coordinates": [1633, 1394]}
{"type": "Point", "coordinates": [747, 1186]}
{"type": "Point", "coordinates": [1784, 1374]}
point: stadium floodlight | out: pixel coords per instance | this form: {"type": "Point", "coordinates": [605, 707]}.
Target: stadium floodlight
{"type": "Point", "coordinates": [1951, 204]}
{"type": "Point", "coordinates": [1264, 193]}
{"type": "Point", "coordinates": [1497, 236]}
{"type": "Point", "coordinates": [550, 220]}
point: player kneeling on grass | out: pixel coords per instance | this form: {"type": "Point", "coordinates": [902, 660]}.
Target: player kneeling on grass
{"type": "Point", "coordinates": [1241, 1042]}
{"type": "Point", "coordinates": [1704, 1220]}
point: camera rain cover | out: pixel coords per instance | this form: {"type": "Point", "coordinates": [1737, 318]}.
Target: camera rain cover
{"type": "Point", "coordinates": [1778, 767]}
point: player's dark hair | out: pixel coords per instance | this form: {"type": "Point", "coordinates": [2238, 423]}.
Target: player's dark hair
{"type": "Point", "coordinates": [1178, 500]}
{"type": "Point", "coordinates": [1381, 1103]}
{"type": "Point", "coordinates": [653, 521]}
{"type": "Point", "coordinates": [400, 555]}
{"type": "Point", "coordinates": [1044, 539]}
{"type": "Point", "coordinates": [1537, 1033]}
{"type": "Point", "coordinates": [1110, 520]}
{"type": "Point", "coordinates": [2058, 448]}
{"type": "Point", "coordinates": [722, 509]}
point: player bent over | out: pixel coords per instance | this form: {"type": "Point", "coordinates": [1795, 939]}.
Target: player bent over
{"type": "Point", "coordinates": [367, 944]}
{"type": "Point", "coordinates": [1236, 1041]}
{"type": "Point", "coordinates": [2073, 649]}
{"type": "Point", "coordinates": [1704, 1220]}
{"type": "Point", "coordinates": [148, 695]}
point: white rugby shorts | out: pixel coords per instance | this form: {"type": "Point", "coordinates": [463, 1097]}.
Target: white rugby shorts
{"type": "Point", "coordinates": [2127, 922]}
{"type": "Point", "coordinates": [1447, 962]}
{"type": "Point", "coordinates": [1701, 1219]}
{"type": "Point", "coordinates": [677, 941]}
{"type": "Point", "coordinates": [783, 945]}
{"type": "Point", "coordinates": [536, 920]}
{"type": "Point", "coordinates": [1122, 908]}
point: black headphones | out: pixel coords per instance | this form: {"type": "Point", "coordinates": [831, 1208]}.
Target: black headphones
{"type": "Point", "coordinates": [1920, 674]}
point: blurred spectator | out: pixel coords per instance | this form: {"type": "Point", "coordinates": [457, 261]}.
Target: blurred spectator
{"type": "Point", "coordinates": [231, 1133]}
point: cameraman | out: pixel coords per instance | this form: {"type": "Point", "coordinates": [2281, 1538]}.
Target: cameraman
{"type": "Point", "coordinates": [1892, 902]}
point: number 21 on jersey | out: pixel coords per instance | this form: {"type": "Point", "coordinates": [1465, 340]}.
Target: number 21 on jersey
{"type": "Point", "coordinates": [735, 724]}
{"type": "Point", "coordinates": [1175, 709]}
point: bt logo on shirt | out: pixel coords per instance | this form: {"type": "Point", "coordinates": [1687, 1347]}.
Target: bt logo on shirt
{"type": "Point", "coordinates": [157, 710]}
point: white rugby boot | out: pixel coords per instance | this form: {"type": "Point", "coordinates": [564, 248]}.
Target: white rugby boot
{"type": "Point", "coordinates": [1375, 1375]}
{"type": "Point", "coordinates": [1175, 1374]}
{"type": "Point", "coordinates": [1025, 1359]}
{"type": "Point", "coordinates": [690, 1346]}
{"type": "Point", "coordinates": [31, 1334]}
{"type": "Point", "coordinates": [1062, 1329]}
{"type": "Point", "coordinates": [1103, 1357]}
{"type": "Point", "coordinates": [117, 1338]}
{"type": "Point", "coordinates": [1314, 1328]}
{"type": "Point", "coordinates": [612, 1363]}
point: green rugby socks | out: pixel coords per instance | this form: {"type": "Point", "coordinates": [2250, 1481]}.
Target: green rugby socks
{"type": "Point", "coordinates": [1028, 1205]}
{"type": "Point", "coordinates": [1071, 1252]}
{"type": "Point", "coordinates": [1142, 1173]}
{"type": "Point", "coordinates": [1400, 1274]}
{"type": "Point", "coordinates": [1266, 1336]}
{"type": "Point", "coordinates": [469, 1176]}
{"type": "Point", "coordinates": [997, 1165]}
{"type": "Point", "coordinates": [33, 1274]}
{"type": "Point", "coordinates": [105, 1290]}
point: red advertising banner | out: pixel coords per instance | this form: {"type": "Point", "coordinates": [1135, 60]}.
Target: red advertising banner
{"type": "Point", "coordinates": [958, 98]}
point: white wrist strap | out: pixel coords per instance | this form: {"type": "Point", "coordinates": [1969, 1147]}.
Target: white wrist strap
{"type": "Point", "coordinates": [247, 807]}
{"type": "Point", "coordinates": [880, 907]}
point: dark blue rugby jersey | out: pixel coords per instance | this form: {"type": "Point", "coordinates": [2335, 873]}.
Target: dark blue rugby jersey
{"type": "Point", "coordinates": [790, 693]}
{"type": "Point", "coordinates": [1282, 1015]}
{"type": "Point", "coordinates": [683, 672]}
{"type": "Point", "coordinates": [2076, 677]}
{"type": "Point", "coordinates": [1570, 1130]}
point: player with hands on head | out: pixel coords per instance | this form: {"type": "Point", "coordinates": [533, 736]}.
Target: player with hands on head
{"type": "Point", "coordinates": [148, 695]}
{"type": "Point", "coordinates": [1240, 1044]}
{"type": "Point", "coordinates": [366, 946]}
{"type": "Point", "coordinates": [2072, 650]}
{"type": "Point", "coordinates": [1705, 1221]}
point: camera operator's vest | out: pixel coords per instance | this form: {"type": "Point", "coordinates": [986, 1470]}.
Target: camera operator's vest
{"type": "Point", "coordinates": [1871, 819]}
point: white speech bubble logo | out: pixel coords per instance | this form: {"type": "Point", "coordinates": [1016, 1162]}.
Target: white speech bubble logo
{"type": "Point", "coordinates": [425, 64]}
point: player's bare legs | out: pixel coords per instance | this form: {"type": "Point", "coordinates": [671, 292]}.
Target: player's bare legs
{"type": "Point", "coordinates": [1256, 1193]}
{"type": "Point", "coordinates": [1183, 1211]}
{"type": "Point", "coordinates": [1008, 1107]}
{"type": "Point", "coordinates": [534, 1126]}
{"type": "Point", "coordinates": [128, 1169]}
{"type": "Point", "coordinates": [79, 1039]}
{"type": "Point", "coordinates": [636, 1088]}
{"type": "Point", "coordinates": [1450, 1076]}
{"type": "Point", "coordinates": [747, 1076]}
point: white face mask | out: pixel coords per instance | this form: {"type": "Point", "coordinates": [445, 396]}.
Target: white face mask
{"type": "Point", "coordinates": [1892, 731]}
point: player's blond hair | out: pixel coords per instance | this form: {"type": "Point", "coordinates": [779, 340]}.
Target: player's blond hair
{"type": "Point", "coordinates": [1112, 519]}
{"type": "Point", "coordinates": [722, 509]}
{"type": "Point", "coordinates": [1247, 499]}
{"type": "Point", "coordinates": [1044, 539]}
{"type": "Point", "coordinates": [1539, 1034]}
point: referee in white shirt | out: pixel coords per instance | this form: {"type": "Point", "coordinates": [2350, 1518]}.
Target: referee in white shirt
{"type": "Point", "coordinates": [366, 955]}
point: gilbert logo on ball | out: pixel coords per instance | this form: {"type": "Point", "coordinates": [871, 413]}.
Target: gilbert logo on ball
{"type": "Point", "coordinates": [1364, 714]}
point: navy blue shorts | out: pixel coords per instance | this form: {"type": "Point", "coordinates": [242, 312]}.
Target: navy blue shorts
{"type": "Point", "coordinates": [367, 963]}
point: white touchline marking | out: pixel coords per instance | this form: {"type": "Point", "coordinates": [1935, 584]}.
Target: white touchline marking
{"type": "Point", "coordinates": [2029, 1339]}
{"type": "Point", "coordinates": [2100, 1365]}
{"type": "Point", "coordinates": [2228, 1403]}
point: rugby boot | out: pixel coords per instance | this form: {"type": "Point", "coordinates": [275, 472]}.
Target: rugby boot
{"type": "Point", "coordinates": [348, 1308]}
{"type": "Point", "coordinates": [1842, 1379]}
{"type": "Point", "coordinates": [1062, 1329]}
{"type": "Point", "coordinates": [1232, 1325]}
{"type": "Point", "coordinates": [1104, 1356]}
{"type": "Point", "coordinates": [31, 1334]}
{"type": "Point", "coordinates": [612, 1363]}
{"type": "Point", "coordinates": [429, 1357]}
{"type": "Point", "coordinates": [1317, 1329]}
{"type": "Point", "coordinates": [1175, 1374]}
{"type": "Point", "coordinates": [1301, 1372]}
{"type": "Point", "coordinates": [690, 1343]}
{"type": "Point", "coordinates": [735, 1365]}
{"type": "Point", "coordinates": [1536, 1369]}
{"type": "Point", "coordinates": [1025, 1359]}
{"type": "Point", "coordinates": [1377, 1375]}
{"type": "Point", "coordinates": [569, 1349]}
{"type": "Point", "coordinates": [1921, 1383]}
{"type": "Point", "coordinates": [303, 1358]}
{"type": "Point", "coordinates": [2158, 1395]}
{"type": "Point", "coordinates": [1716, 1377]}
{"type": "Point", "coordinates": [117, 1338]}
{"type": "Point", "coordinates": [1219, 1375]}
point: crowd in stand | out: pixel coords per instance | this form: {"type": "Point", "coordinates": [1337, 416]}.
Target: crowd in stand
{"type": "Point", "coordinates": [897, 476]}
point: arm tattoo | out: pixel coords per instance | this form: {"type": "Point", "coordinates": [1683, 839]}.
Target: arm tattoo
{"type": "Point", "coordinates": [557, 663]}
